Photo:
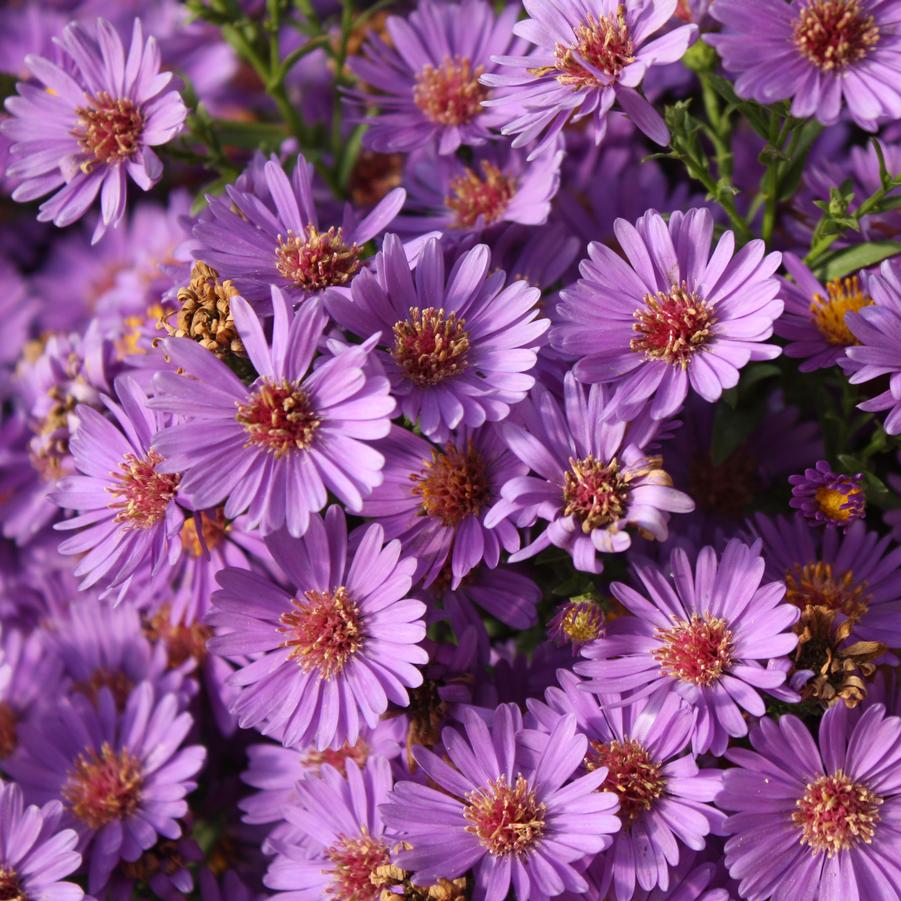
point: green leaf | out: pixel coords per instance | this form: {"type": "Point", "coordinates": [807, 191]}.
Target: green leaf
{"type": "Point", "coordinates": [755, 374]}
{"type": "Point", "coordinates": [860, 256]}
{"type": "Point", "coordinates": [217, 186]}
{"type": "Point", "coordinates": [731, 428]}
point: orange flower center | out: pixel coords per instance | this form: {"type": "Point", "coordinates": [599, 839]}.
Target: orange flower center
{"type": "Point", "coordinates": [279, 418]}
{"type": "Point", "coordinates": [696, 651]}
{"type": "Point", "coordinates": [507, 819]}
{"type": "Point", "coordinates": [430, 346]}
{"type": "Point", "coordinates": [317, 260]}
{"type": "Point", "coordinates": [355, 860]}
{"type": "Point", "coordinates": [108, 129]}
{"type": "Point", "coordinates": [103, 787]}
{"type": "Point", "coordinates": [450, 94]}
{"type": "Point", "coordinates": [835, 814]}
{"type": "Point", "coordinates": [632, 774]}
{"type": "Point", "coordinates": [484, 198]}
{"type": "Point", "coordinates": [453, 485]}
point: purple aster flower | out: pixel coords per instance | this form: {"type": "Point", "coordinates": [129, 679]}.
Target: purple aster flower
{"type": "Point", "coordinates": [592, 479]}
{"type": "Point", "coordinates": [265, 231]}
{"type": "Point", "coordinates": [521, 827]}
{"type": "Point", "coordinates": [274, 447]}
{"type": "Point", "coordinates": [496, 187]}
{"type": "Point", "coordinates": [814, 820]}
{"type": "Point", "coordinates": [435, 499]}
{"type": "Point", "coordinates": [35, 854]}
{"type": "Point", "coordinates": [877, 330]}
{"type": "Point", "coordinates": [700, 633]}
{"type": "Point", "coordinates": [128, 517]}
{"type": "Point", "coordinates": [853, 572]}
{"type": "Point", "coordinates": [122, 777]}
{"type": "Point", "coordinates": [427, 77]}
{"type": "Point", "coordinates": [330, 655]}
{"type": "Point", "coordinates": [829, 498]}
{"type": "Point", "coordinates": [94, 118]}
{"type": "Point", "coordinates": [671, 315]}
{"type": "Point", "coordinates": [663, 795]}
{"type": "Point", "coordinates": [341, 839]}
{"type": "Point", "coordinates": [588, 55]}
{"type": "Point", "coordinates": [814, 319]}
{"type": "Point", "coordinates": [457, 346]}
{"type": "Point", "coordinates": [823, 55]}
{"type": "Point", "coordinates": [576, 623]}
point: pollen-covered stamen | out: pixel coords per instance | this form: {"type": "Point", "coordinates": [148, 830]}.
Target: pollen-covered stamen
{"type": "Point", "coordinates": [836, 813]}
{"type": "Point", "coordinates": [279, 417]}
{"type": "Point", "coordinates": [697, 651]}
{"type": "Point", "coordinates": [337, 757]}
{"type": "Point", "coordinates": [834, 34]}
{"type": "Point", "coordinates": [430, 346]}
{"type": "Point", "coordinates": [10, 888]}
{"type": "Point", "coordinates": [317, 260]}
{"type": "Point", "coordinates": [602, 49]}
{"type": "Point", "coordinates": [632, 775]}
{"type": "Point", "coordinates": [213, 528]}
{"type": "Point", "coordinates": [845, 296]}
{"type": "Point", "coordinates": [815, 585]}
{"type": "Point", "coordinates": [480, 200]}
{"type": "Point", "coordinates": [450, 94]}
{"type": "Point", "coordinates": [103, 787]}
{"type": "Point", "coordinates": [582, 621]}
{"type": "Point", "coordinates": [841, 500]}
{"type": "Point", "coordinates": [142, 493]}
{"type": "Point", "coordinates": [9, 738]}
{"type": "Point", "coordinates": [355, 861]}
{"type": "Point", "coordinates": [506, 819]}
{"type": "Point", "coordinates": [595, 492]}
{"type": "Point", "coordinates": [116, 682]}
{"type": "Point", "coordinates": [672, 327]}
{"type": "Point", "coordinates": [453, 485]}
{"type": "Point", "coordinates": [108, 129]}
{"type": "Point", "coordinates": [324, 630]}
{"type": "Point", "coordinates": [184, 641]}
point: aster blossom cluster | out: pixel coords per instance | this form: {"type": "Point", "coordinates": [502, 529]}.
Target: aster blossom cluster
{"type": "Point", "coordinates": [470, 473]}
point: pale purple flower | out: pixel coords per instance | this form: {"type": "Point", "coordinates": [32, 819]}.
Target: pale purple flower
{"type": "Point", "coordinates": [92, 120]}
{"type": "Point", "coordinates": [589, 54]}
{"type": "Point", "coordinates": [672, 315]}
{"type": "Point", "coordinates": [705, 633]}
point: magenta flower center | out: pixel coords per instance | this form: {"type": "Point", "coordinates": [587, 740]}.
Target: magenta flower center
{"type": "Point", "coordinates": [453, 485]}
{"type": "Point", "coordinates": [815, 585]}
{"type": "Point", "coordinates": [672, 327]}
{"type": "Point", "coordinates": [324, 631]}
{"type": "Point", "coordinates": [480, 199]}
{"type": "Point", "coordinates": [430, 346]}
{"type": "Point", "coordinates": [696, 651]}
{"type": "Point", "coordinates": [279, 418]}
{"type": "Point", "coordinates": [317, 260]}
{"type": "Point", "coordinates": [845, 296]}
{"type": "Point", "coordinates": [836, 813]}
{"type": "Point", "coordinates": [103, 787]}
{"type": "Point", "coordinates": [596, 493]}
{"type": "Point", "coordinates": [355, 861]}
{"type": "Point", "coordinates": [602, 49]}
{"type": "Point", "coordinates": [507, 819]}
{"type": "Point", "coordinates": [834, 34]}
{"type": "Point", "coordinates": [10, 890]}
{"type": "Point", "coordinates": [143, 493]}
{"type": "Point", "coordinates": [108, 129]}
{"type": "Point", "coordinates": [450, 94]}
{"type": "Point", "coordinates": [632, 775]}
{"type": "Point", "coordinates": [8, 736]}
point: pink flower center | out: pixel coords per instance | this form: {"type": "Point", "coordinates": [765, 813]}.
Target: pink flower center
{"type": "Point", "coordinates": [453, 485]}
{"type": "Point", "coordinates": [507, 819]}
{"type": "Point", "coordinates": [836, 813]}
{"type": "Point", "coordinates": [103, 787]}
{"type": "Point", "coordinates": [337, 757]}
{"type": "Point", "coordinates": [8, 738]}
{"type": "Point", "coordinates": [143, 493]}
{"type": "Point", "coordinates": [474, 199]}
{"type": "Point", "coordinates": [108, 129]}
{"type": "Point", "coordinates": [279, 418]}
{"type": "Point", "coordinates": [602, 49]}
{"type": "Point", "coordinates": [10, 890]}
{"type": "Point", "coordinates": [594, 492]}
{"type": "Point", "coordinates": [632, 774]}
{"type": "Point", "coordinates": [815, 585]}
{"type": "Point", "coordinates": [450, 94]}
{"type": "Point", "coordinates": [696, 651]}
{"type": "Point", "coordinates": [834, 34]}
{"type": "Point", "coordinates": [671, 327]}
{"type": "Point", "coordinates": [355, 860]}
{"type": "Point", "coordinates": [324, 629]}
{"type": "Point", "coordinates": [317, 260]}
{"type": "Point", "coordinates": [430, 346]}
